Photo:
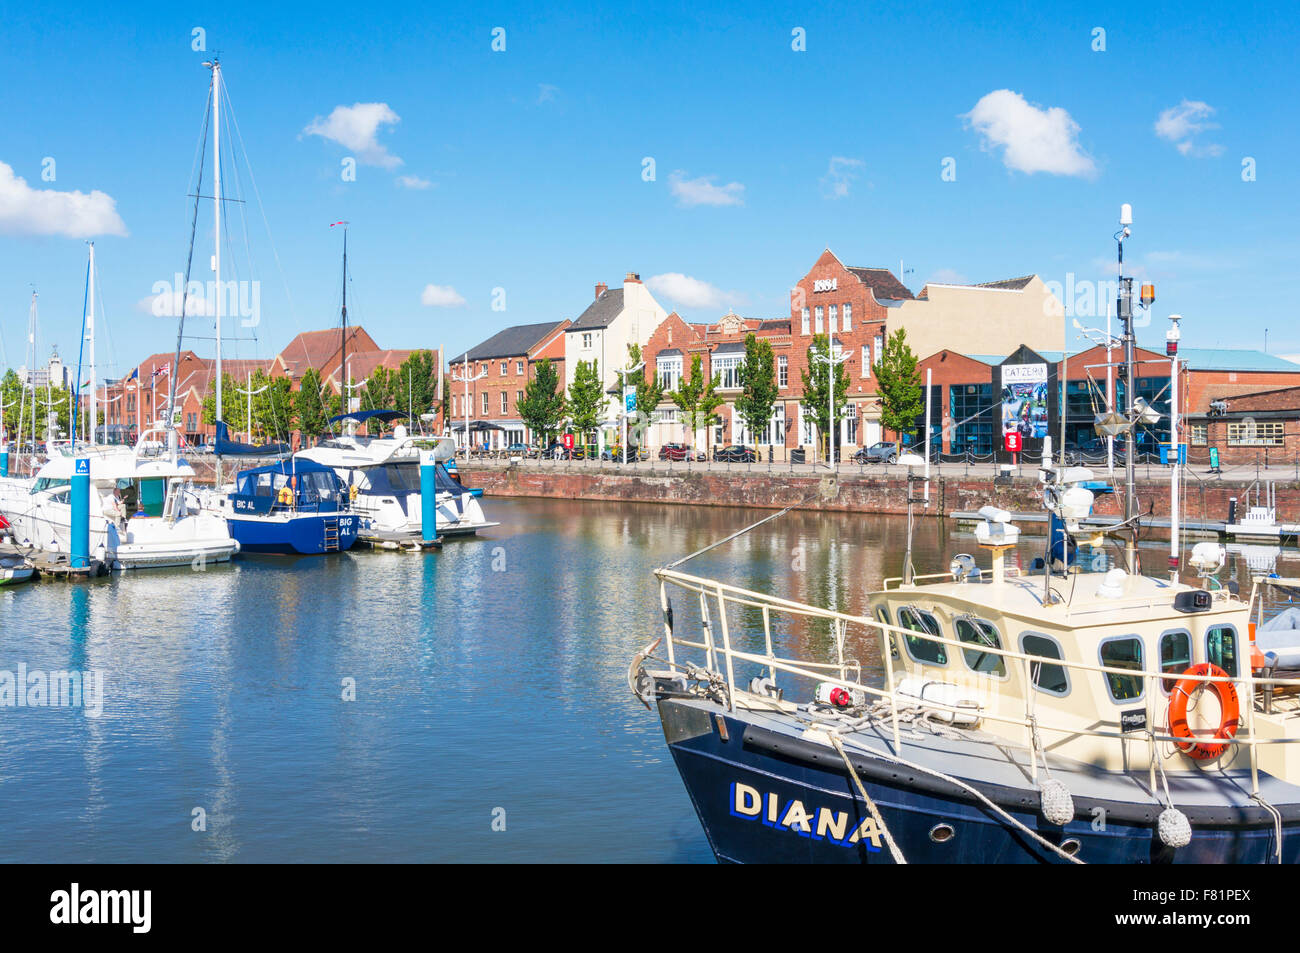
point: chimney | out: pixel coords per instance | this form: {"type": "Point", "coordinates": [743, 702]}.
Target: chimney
{"type": "Point", "coordinates": [632, 276]}
{"type": "Point", "coordinates": [601, 288]}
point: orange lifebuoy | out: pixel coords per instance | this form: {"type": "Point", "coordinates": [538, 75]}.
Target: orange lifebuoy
{"type": "Point", "coordinates": [1225, 691]}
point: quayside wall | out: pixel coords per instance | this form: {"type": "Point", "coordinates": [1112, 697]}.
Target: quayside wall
{"type": "Point", "coordinates": [1205, 501]}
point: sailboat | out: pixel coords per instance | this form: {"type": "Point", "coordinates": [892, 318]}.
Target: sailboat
{"type": "Point", "coordinates": [141, 514]}
{"type": "Point", "coordinates": [383, 473]}
{"type": "Point", "coordinates": [1066, 715]}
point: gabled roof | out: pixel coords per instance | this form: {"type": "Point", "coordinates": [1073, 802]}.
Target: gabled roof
{"type": "Point", "coordinates": [882, 283]}
{"type": "Point", "coordinates": [517, 341]}
{"type": "Point", "coordinates": [601, 312]}
{"type": "Point", "coordinates": [320, 349]}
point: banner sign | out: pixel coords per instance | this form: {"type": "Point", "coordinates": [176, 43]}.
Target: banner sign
{"type": "Point", "coordinates": [1024, 400]}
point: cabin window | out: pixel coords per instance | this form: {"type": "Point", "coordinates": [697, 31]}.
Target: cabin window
{"type": "Point", "coordinates": [1123, 652]}
{"type": "Point", "coordinates": [922, 650]}
{"type": "Point", "coordinates": [979, 632]}
{"type": "Point", "coordinates": [1221, 648]}
{"type": "Point", "coordinates": [1049, 678]}
{"type": "Point", "coordinates": [1175, 656]}
{"type": "Point", "coordinates": [882, 616]}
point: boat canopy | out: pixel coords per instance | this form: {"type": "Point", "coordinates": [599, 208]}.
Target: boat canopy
{"type": "Point", "coordinates": [313, 485]}
{"type": "Point", "coordinates": [361, 416]}
{"type": "Point", "coordinates": [223, 446]}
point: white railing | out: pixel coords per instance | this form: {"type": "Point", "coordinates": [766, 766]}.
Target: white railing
{"type": "Point", "coordinates": [716, 597]}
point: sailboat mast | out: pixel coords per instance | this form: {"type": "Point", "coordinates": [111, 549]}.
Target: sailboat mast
{"type": "Point", "coordinates": [90, 335]}
{"type": "Point", "coordinates": [344, 375]}
{"type": "Point", "coordinates": [216, 212]}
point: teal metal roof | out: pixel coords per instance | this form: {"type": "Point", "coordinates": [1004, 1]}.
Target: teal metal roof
{"type": "Point", "coordinates": [1233, 359]}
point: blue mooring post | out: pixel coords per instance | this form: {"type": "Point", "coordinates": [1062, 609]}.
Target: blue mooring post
{"type": "Point", "coordinates": [4, 459]}
{"type": "Point", "coordinates": [80, 547]}
{"type": "Point", "coordinates": [428, 498]}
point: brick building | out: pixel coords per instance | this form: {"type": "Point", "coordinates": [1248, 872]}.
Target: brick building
{"type": "Point", "coordinates": [492, 377]}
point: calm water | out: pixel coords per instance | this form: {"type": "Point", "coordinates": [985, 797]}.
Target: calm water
{"type": "Point", "coordinates": [491, 675]}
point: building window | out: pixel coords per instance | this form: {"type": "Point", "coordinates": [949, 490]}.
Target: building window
{"type": "Point", "coordinates": [805, 426]}
{"type": "Point", "coordinates": [879, 346]}
{"type": "Point", "coordinates": [804, 323]}
{"type": "Point", "coordinates": [192, 423]}
{"type": "Point", "coordinates": [1200, 435]}
{"type": "Point", "coordinates": [504, 364]}
{"type": "Point", "coordinates": [848, 316]}
{"type": "Point", "coordinates": [833, 314]}
{"type": "Point", "coordinates": [817, 319]}
{"type": "Point", "coordinates": [866, 360]}
{"type": "Point", "coordinates": [485, 404]}
{"type": "Point", "coordinates": [668, 416]}
{"type": "Point", "coordinates": [851, 425]}
{"type": "Point", "coordinates": [727, 368]}
{"type": "Point", "coordinates": [973, 412]}
{"type": "Point", "coordinates": [586, 341]}
{"type": "Point", "coordinates": [669, 370]}
{"type": "Point", "coordinates": [519, 397]}
{"type": "Point", "coordinates": [783, 371]}
{"type": "Point", "coordinates": [519, 368]}
{"type": "Point", "coordinates": [1123, 653]}
{"type": "Point", "coordinates": [505, 403]}
{"type": "Point", "coordinates": [1255, 433]}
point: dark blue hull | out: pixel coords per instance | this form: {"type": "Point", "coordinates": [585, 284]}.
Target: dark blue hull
{"type": "Point", "coordinates": [306, 535]}
{"type": "Point", "coordinates": [761, 806]}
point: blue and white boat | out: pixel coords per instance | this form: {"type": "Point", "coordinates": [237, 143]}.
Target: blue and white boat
{"type": "Point", "coordinates": [292, 507]}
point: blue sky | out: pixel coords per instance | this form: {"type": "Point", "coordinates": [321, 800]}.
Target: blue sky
{"type": "Point", "coordinates": [528, 163]}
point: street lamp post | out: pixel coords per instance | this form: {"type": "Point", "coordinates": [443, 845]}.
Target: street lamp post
{"type": "Point", "coordinates": [831, 360]}
{"type": "Point", "coordinates": [465, 379]}
{"type": "Point", "coordinates": [623, 377]}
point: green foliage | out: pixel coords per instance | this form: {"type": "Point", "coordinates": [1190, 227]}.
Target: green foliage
{"type": "Point", "coordinates": [314, 403]}
{"type": "Point", "coordinates": [899, 384]}
{"type": "Point", "coordinates": [416, 383]}
{"type": "Point", "coordinates": [586, 398]}
{"type": "Point", "coordinates": [234, 406]}
{"type": "Point", "coordinates": [697, 397]}
{"type": "Point", "coordinates": [272, 408]}
{"type": "Point", "coordinates": [36, 404]}
{"type": "Point", "coordinates": [759, 390]}
{"type": "Point", "coordinates": [649, 394]}
{"type": "Point", "coordinates": [816, 389]}
{"type": "Point", "coordinates": [543, 407]}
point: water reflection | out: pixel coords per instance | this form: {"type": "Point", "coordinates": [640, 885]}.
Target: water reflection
{"type": "Point", "coordinates": [490, 675]}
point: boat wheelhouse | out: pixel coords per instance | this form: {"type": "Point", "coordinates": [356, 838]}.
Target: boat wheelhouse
{"type": "Point", "coordinates": [383, 479]}
{"type": "Point", "coordinates": [292, 507]}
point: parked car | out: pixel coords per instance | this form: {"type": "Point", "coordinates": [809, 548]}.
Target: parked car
{"type": "Point", "coordinates": [679, 451]}
{"type": "Point", "coordinates": [884, 452]}
{"type": "Point", "coordinates": [735, 454]}
{"type": "Point", "coordinates": [521, 450]}
{"type": "Point", "coordinates": [615, 454]}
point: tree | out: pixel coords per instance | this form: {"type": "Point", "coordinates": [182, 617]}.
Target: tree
{"type": "Point", "coordinates": [759, 391]}
{"type": "Point", "coordinates": [816, 389]}
{"type": "Point", "coordinates": [379, 394]}
{"type": "Point", "coordinates": [649, 393]}
{"type": "Point", "coordinates": [899, 384]}
{"type": "Point", "coordinates": [696, 397]}
{"type": "Point", "coordinates": [586, 397]}
{"type": "Point", "coordinates": [273, 407]}
{"type": "Point", "coordinates": [416, 385]}
{"type": "Point", "coordinates": [314, 404]}
{"type": "Point", "coordinates": [542, 409]}
{"type": "Point", "coordinates": [234, 406]}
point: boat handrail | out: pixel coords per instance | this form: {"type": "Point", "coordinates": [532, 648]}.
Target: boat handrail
{"type": "Point", "coordinates": [724, 594]}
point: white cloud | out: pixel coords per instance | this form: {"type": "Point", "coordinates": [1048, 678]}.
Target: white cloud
{"type": "Point", "coordinates": [1033, 139]}
{"type": "Point", "coordinates": [441, 296]}
{"type": "Point", "coordinates": [413, 182]}
{"type": "Point", "coordinates": [685, 290]}
{"type": "Point", "coordinates": [356, 128]}
{"type": "Point", "coordinates": [28, 211]}
{"type": "Point", "coordinates": [840, 175]}
{"type": "Point", "coordinates": [168, 305]}
{"type": "Point", "coordinates": [1180, 125]}
{"type": "Point", "coordinates": [702, 191]}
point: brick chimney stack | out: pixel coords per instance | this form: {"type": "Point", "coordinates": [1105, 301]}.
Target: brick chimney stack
{"type": "Point", "coordinates": [632, 276]}
{"type": "Point", "coordinates": [601, 288]}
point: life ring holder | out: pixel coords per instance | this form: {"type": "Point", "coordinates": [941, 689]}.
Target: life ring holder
{"type": "Point", "coordinates": [1229, 704]}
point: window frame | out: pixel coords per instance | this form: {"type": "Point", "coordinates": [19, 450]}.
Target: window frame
{"type": "Point", "coordinates": [976, 622]}
{"type": "Point", "coordinates": [1069, 683]}
{"type": "Point", "coordinates": [1107, 676]}
{"type": "Point", "coordinates": [1236, 647]}
{"type": "Point", "coordinates": [920, 614]}
{"type": "Point", "coordinates": [1171, 678]}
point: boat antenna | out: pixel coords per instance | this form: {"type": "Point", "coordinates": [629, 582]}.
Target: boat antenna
{"type": "Point", "coordinates": [1124, 309]}
{"type": "Point", "coordinates": [76, 393]}
{"type": "Point", "coordinates": [344, 380]}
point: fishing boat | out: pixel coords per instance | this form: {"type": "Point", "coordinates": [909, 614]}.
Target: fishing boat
{"type": "Point", "coordinates": [984, 714]}
{"type": "Point", "coordinates": [291, 507]}
{"type": "Point", "coordinates": [139, 508]}
{"type": "Point", "coordinates": [383, 479]}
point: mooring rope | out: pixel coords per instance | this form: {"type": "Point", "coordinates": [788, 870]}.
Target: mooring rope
{"type": "Point", "coordinates": [741, 532]}
{"type": "Point", "coordinates": [871, 805]}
